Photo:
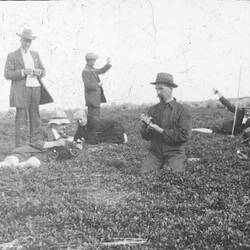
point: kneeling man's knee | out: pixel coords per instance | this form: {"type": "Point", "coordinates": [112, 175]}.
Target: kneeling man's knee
{"type": "Point", "coordinates": [12, 160]}
{"type": "Point", "coordinates": [34, 162]}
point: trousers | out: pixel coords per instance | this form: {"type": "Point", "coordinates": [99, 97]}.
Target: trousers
{"type": "Point", "coordinates": [155, 163]}
{"type": "Point", "coordinates": [27, 117]}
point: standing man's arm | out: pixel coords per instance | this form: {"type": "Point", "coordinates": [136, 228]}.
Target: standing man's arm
{"type": "Point", "coordinates": [41, 67]}
{"type": "Point", "coordinates": [104, 69]}
{"type": "Point", "coordinates": [10, 73]}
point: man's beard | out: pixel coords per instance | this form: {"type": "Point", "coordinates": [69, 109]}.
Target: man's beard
{"type": "Point", "coordinates": [166, 99]}
{"type": "Point", "coordinates": [161, 98]}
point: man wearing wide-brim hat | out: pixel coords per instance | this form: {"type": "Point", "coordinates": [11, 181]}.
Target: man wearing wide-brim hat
{"type": "Point", "coordinates": [94, 93]}
{"type": "Point", "coordinates": [168, 127]}
{"type": "Point", "coordinates": [42, 140]}
{"type": "Point", "coordinates": [25, 69]}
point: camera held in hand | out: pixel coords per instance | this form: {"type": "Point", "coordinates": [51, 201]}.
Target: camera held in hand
{"type": "Point", "coordinates": [63, 152]}
{"type": "Point", "coordinates": [147, 120]}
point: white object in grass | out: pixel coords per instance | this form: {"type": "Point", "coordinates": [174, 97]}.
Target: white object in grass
{"type": "Point", "coordinates": [203, 130]}
{"type": "Point", "coordinates": [125, 138]}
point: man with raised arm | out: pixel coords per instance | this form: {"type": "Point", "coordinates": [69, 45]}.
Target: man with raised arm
{"type": "Point", "coordinates": [94, 94]}
{"type": "Point", "coordinates": [241, 123]}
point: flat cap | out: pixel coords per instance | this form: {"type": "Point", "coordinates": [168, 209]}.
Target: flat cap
{"type": "Point", "coordinates": [91, 56]}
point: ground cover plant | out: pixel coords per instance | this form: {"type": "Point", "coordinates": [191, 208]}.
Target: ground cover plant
{"type": "Point", "coordinates": [101, 196]}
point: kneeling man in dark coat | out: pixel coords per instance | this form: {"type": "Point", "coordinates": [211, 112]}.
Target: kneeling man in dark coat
{"type": "Point", "coordinates": [168, 127]}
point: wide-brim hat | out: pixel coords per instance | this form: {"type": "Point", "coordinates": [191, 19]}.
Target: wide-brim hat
{"type": "Point", "coordinates": [27, 34]}
{"type": "Point", "coordinates": [166, 79]}
{"type": "Point", "coordinates": [59, 117]}
{"type": "Point", "coordinates": [91, 56]}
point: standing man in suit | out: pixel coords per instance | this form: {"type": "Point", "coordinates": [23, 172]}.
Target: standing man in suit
{"type": "Point", "coordinates": [94, 94]}
{"type": "Point", "coordinates": [25, 70]}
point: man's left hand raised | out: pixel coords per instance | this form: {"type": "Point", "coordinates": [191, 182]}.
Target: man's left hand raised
{"type": "Point", "coordinates": [108, 60]}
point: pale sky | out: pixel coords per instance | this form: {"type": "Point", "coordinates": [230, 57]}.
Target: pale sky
{"type": "Point", "coordinates": [203, 43]}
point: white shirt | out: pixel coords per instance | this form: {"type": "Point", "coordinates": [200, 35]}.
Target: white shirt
{"type": "Point", "coordinates": [31, 80]}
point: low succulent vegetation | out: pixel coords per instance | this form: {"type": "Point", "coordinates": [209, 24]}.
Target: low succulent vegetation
{"type": "Point", "coordinates": [100, 196]}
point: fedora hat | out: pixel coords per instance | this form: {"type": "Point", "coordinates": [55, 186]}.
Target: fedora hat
{"type": "Point", "coordinates": [91, 56]}
{"type": "Point", "coordinates": [59, 117]}
{"type": "Point", "coordinates": [165, 78]}
{"type": "Point", "coordinates": [27, 34]}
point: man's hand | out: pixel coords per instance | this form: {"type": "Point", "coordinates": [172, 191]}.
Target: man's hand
{"type": "Point", "coordinates": [146, 119]}
{"type": "Point", "coordinates": [155, 128]}
{"type": "Point", "coordinates": [108, 60]}
{"type": "Point", "coordinates": [37, 72]}
{"type": "Point", "coordinates": [28, 72]}
{"type": "Point", "coordinates": [216, 92]}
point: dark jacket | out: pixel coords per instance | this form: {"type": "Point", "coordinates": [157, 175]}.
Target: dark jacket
{"type": "Point", "coordinates": [13, 67]}
{"type": "Point", "coordinates": [103, 131]}
{"type": "Point", "coordinates": [227, 126]}
{"type": "Point", "coordinates": [94, 94]}
{"type": "Point", "coordinates": [176, 121]}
